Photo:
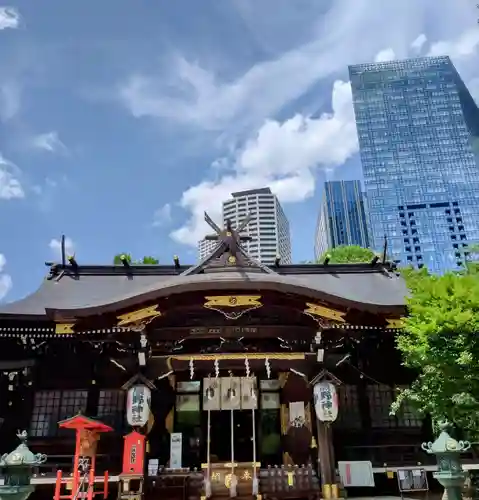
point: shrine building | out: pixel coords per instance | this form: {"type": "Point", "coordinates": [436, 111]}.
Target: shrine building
{"type": "Point", "coordinates": [244, 380]}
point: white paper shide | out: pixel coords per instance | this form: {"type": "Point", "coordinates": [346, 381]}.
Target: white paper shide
{"type": "Point", "coordinates": [326, 401]}
{"type": "Point", "coordinates": [138, 405]}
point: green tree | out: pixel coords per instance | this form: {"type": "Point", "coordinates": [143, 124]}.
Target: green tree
{"type": "Point", "coordinates": [147, 260]}
{"type": "Point", "coordinates": [440, 342]}
{"type": "Point", "coordinates": [348, 254]}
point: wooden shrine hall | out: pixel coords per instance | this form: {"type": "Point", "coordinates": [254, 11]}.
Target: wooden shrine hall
{"type": "Point", "coordinates": [245, 380]}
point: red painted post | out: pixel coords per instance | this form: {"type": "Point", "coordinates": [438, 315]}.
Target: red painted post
{"type": "Point", "coordinates": [105, 485]}
{"type": "Point", "coordinates": [58, 485]}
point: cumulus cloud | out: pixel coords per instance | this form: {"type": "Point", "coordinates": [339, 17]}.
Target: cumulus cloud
{"type": "Point", "coordinates": [244, 107]}
{"type": "Point", "coordinates": [464, 45]}
{"type": "Point", "coordinates": [162, 216]}
{"type": "Point", "coordinates": [50, 142]}
{"type": "Point", "coordinates": [9, 18]}
{"type": "Point", "coordinates": [385, 55]}
{"type": "Point", "coordinates": [283, 156]}
{"type": "Point", "coordinates": [186, 92]}
{"type": "Point", "coordinates": [10, 185]}
{"type": "Point", "coordinates": [56, 247]}
{"type": "Point", "coordinates": [5, 279]}
{"type": "Point", "coordinates": [419, 42]}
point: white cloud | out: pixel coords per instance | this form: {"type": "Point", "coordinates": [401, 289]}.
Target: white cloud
{"type": "Point", "coordinates": [162, 216]}
{"type": "Point", "coordinates": [10, 186]}
{"type": "Point", "coordinates": [50, 141]}
{"type": "Point", "coordinates": [5, 279]}
{"type": "Point", "coordinates": [419, 42]}
{"type": "Point", "coordinates": [9, 18]}
{"type": "Point", "coordinates": [385, 55]}
{"type": "Point", "coordinates": [185, 92]}
{"type": "Point", "coordinates": [56, 246]}
{"type": "Point", "coordinates": [244, 106]}
{"type": "Point", "coordinates": [464, 45]}
{"type": "Point", "coordinates": [283, 156]}
{"type": "Point", "coordinates": [10, 99]}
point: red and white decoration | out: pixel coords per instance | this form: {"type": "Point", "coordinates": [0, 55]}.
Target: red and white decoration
{"type": "Point", "coordinates": [138, 405]}
{"type": "Point", "coordinates": [326, 401]}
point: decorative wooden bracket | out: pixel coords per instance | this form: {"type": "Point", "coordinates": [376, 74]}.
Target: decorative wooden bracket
{"type": "Point", "coordinates": [317, 311]}
{"type": "Point", "coordinates": [233, 306]}
{"type": "Point", "coordinates": [64, 328]}
{"type": "Point", "coordinates": [140, 318]}
{"type": "Point", "coordinates": [395, 323]}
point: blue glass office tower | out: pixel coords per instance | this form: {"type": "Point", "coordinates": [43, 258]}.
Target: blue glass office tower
{"type": "Point", "coordinates": [342, 217]}
{"type": "Point", "coordinates": [418, 130]}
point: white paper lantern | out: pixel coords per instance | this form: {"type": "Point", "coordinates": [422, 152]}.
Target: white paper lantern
{"type": "Point", "coordinates": [138, 405]}
{"type": "Point", "coordinates": [326, 401]}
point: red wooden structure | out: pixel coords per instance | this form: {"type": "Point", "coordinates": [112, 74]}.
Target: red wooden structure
{"type": "Point", "coordinates": [87, 435]}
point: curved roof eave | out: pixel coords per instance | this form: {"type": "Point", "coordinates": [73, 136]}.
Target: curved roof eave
{"type": "Point", "coordinates": [389, 299]}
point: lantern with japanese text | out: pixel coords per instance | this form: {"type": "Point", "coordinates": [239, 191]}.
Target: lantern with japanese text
{"type": "Point", "coordinates": [326, 401]}
{"type": "Point", "coordinates": [138, 405]}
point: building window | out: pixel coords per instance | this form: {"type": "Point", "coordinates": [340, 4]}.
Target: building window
{"type": "Point", "coordinates": [349, 416]}
{"type": "Point", "coordinates": [407, 415]}
{"type": "Point", "coordinates": [111, 408]}
{"type": "Point", "coordinates": [50, 407]}
{"type": "Point", "coordinates": [380, 398]}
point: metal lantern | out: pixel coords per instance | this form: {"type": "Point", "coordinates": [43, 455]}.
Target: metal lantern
{"type": "Point", "coordinates": [138, 405]}
{"type": "Point", "coordinates": [326, 401]}
{"type": "Point", "coordinates": [17, 468]}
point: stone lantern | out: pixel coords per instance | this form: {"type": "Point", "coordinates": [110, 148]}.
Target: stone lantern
{"type": "Point", "coordinates": [17, 469]}
{"type": "Point", "coordinates": [449, 473]}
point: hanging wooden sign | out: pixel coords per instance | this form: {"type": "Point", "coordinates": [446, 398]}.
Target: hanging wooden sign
{"type": "Point", "coordinates": [326, 401]}
{"type": "Point", "coordinates": [138, 405]}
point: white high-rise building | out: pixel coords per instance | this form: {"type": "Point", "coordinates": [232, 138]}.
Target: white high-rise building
{"type": "Point", "coordinates": [205, 247]}
{"type": "Point", "coordinates": [269, 227]}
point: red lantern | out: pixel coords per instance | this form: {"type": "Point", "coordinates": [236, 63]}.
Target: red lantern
{"type": "Point", "coordinates": [134, 453]}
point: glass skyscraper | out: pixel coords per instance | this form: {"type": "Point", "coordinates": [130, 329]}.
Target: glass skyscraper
{"type": "Point", "coordinates": [342, 217]}
{"type": "Point", "coordinates": [418, 130]}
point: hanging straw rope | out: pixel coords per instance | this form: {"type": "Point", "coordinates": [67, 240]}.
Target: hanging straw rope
{"type": "Point", "coordinates": [208, 443]}
{"type": "Point", "coordinates": [255, 476]}
{"type": "Point", "coordinates": [233, 483]}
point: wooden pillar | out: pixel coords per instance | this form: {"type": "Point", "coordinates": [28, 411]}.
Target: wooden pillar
{"type": "Point", "coordinates": [326, 459]}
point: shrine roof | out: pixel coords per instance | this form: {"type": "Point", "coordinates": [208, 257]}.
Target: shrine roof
{"type": "Point", "coordinates": [84, 289]}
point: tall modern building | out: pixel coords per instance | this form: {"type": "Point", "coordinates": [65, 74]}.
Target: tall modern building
{"type": "Point", "coordinates": [269, 228]}
{"type": "Point", "coordinates": [342, 217]}
{"type": "Point", "coordinates": [205, 247]}
{"type": "Point", "coordinates": [418, 130]}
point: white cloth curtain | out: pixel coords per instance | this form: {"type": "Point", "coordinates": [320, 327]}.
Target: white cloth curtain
{"type": "Point", "coordinates": [211, 394]}
{"type": "Point", "coordinates": [249, 394]}
{"type": "Point", "coordinates": [230, 393]}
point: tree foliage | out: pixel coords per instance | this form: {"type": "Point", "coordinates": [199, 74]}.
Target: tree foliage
{"type": "Point", "coordinates": [348, 254]}
{"type": "Point", "coordinates": [147, 260]}
{"type": "Point", "coordinates": [440, 342]}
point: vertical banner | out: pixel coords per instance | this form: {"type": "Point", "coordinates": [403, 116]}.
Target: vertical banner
{"type": "Point", "coordinates": [230, 393]}
{"type": "Point", "coordinates": [211, 394]}
{"type": "Point", "coordinates": [297, 417]}
{"type": "Point", "coordinates": [249, 393]}
{"type": "Point", "coordinates": [176, 444]}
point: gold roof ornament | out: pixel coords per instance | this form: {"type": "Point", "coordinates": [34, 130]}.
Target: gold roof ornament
{"type": "Point", "coordinates": [233, 306]}
{"type": "Point", "coordinates": [139, 318]}
{"type": "Point", "coordinates": [317, 311]}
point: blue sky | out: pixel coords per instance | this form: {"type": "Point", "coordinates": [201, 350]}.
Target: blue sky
{"type": "Point", "coordinates": [121, 122]}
